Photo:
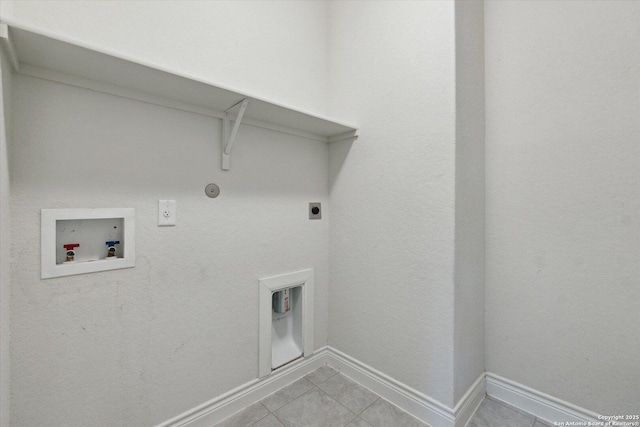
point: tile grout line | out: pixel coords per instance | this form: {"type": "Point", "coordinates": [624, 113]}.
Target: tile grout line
{"type": "Point", "coordinates": [292, 400]}
{"type": "Point", "coordinates": [276, 417]}
{"type": "Point", "coordinates": [338, 402]}
{"type": "Point", "coordinates": [315, 386]}
{"type": "Point", "coordinates": [320, 390]}
{"type": "Point", "coordinates": [269, 413]}
{"type": "Point", "coordinates": [362, 412]}
{"type": "Point", "coordinates": [541, 421]}
{"type": "Point", "coordinates": [336, 399]}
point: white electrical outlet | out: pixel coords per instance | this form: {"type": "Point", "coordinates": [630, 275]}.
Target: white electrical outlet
{"type": "Point", "coordinates": [166, 212]}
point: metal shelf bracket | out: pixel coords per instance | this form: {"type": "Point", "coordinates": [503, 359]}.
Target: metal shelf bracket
{"type": "Point", "coordinates": [228, 134]}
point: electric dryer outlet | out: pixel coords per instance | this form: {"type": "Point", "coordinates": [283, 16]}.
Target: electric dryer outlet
{"type": "Point", "coordinates": [315, 210]}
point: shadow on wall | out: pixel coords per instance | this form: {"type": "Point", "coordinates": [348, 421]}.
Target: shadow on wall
{"type": "Point", "coordinates": [338, 152]}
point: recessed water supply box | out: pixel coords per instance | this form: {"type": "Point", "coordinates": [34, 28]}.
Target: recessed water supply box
{"type": "Point", "coordinates": [77, 241]}
{"type": "Point", "coordinates": [286, 320]}
{"type": "Point", "coordinates": [286, 326]}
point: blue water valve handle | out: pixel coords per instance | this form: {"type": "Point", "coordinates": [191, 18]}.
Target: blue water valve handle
{"type": "Point", "coordinates": [111, 251]}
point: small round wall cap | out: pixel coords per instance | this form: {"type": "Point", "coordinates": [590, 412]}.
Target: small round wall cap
{"type": "Point", "coordinates": [212, 190]}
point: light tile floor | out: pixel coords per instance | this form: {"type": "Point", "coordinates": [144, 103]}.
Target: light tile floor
{"type": "Point", "coordinates": [492, 413]}
{"type": "Point", "coordinates": [326, 398]}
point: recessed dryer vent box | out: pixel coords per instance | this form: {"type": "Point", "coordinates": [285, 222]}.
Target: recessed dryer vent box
{"type": "Point", "coordinates": [78, 241]}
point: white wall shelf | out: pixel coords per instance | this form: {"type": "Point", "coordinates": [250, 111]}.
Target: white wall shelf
{"type": "Point", "coordinates": [37, 54]}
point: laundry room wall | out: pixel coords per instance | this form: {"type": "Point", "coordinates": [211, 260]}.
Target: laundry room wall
{"type": "Point", "coordinates": [139, 346]}
{"type": "Point", "coordinates": [563, 200]}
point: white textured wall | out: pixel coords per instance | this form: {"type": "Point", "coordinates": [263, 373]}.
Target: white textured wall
{"type": "Point", "coordinates": [469, 216]}
{"type": "Point", "coordinates": [271, 49]}
{"type": "Point", "coordinates": [562, 209]}
{"type": "Point", "coordinates": [563, 199]}
{"type": "Point", "coordinates": [139, 346]}
{"type": "Point", "coordinates": [392, 71]}
{"type": "Point", "coordinates": [5, 240]}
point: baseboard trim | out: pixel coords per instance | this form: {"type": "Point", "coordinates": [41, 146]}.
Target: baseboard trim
{"type": "Point", "coordinates": [421, 406]}
{"type": "Point", "coordinates": [227, 404]}
{"type": "Point", "coordinates": [543, 406]}
{"type": "Point", "coordinates": [470, 401]}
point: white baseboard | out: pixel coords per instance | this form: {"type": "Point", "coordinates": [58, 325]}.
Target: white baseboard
{"type": "Point", "coordinates": [223, 406]}
{"type": "Point", "coordinates": [470, 401]}
{"type": "Point", "coordinates": [543, 406]}
{"type": "Point", "coordinates": [421, 406]}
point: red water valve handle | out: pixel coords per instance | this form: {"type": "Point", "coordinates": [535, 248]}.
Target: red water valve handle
{"type": "Point", "coordinates": [70, 246]}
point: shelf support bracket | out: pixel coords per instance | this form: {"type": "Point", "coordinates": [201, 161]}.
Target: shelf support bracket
{"type": "Point", "coordinates": [7, 44]}
{"type": "Point", "coordinates": [229, 135]}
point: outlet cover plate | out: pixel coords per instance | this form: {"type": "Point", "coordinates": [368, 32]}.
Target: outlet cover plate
{"type": "Point", "coordinates": [166, 213]}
